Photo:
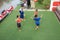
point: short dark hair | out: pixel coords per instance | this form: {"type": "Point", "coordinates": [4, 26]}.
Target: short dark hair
{"type": "Point", "coordinates": [17, 16]}
{"type": "Point", "coordinates": [35, 15]}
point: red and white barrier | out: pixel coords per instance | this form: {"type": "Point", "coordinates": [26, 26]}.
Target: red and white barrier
{"type": "Point", "coordinates": [54, 4]}
{"type": "Point", "coordinates": [4, 14]}
{"type": "Point", "coordinates": [10, 9]}
{"type": "Point", "coordinates": [0, 16]}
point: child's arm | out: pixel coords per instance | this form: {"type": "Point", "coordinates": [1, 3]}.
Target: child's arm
{"type": "Point", "coordinates": [41, 16]}
{"type": "Point", "coordinates": [21, 19]}
{"type": "Point", "coordinates": [16, 20]}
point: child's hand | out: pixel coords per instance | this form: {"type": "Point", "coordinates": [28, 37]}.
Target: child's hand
{"type": "Point", "coordinates": [41, 16]}
{"type": "Point", "coordinates": [21, 19]}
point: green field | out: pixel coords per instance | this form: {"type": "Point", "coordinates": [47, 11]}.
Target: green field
{"type": "Point", "coordinates": [49, 28]}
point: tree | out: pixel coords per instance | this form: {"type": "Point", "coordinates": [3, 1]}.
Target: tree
{"type": "Point", "coordinates": [40, 1]}
{"type": "Point", "coordinates": [46, 3]}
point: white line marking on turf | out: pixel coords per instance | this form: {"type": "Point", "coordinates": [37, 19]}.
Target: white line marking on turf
{"type": "Point", "coordinates": [56, 18]}
{"type": "Point", "coordinates": [34, 10]}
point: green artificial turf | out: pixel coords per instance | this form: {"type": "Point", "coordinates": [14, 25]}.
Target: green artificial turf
{"type": "Point", "coordinates": [49, 28]}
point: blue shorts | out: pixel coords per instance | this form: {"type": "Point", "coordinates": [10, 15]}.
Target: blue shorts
{"type": "Point", "coordinates": [37, 24]}
{"type": "Point", "coordinates": [22, 16]}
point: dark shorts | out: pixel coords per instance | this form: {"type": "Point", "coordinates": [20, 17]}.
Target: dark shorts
{"type": "Point", "coordinates": [18, 25]}
{"type": "Point", "coordinates": [37, 24]}
{"type": "Point", "coordinates": [22, 16]}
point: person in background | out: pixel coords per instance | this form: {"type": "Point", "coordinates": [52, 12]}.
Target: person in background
{"type": "Point", "coordinates": [28, 4]}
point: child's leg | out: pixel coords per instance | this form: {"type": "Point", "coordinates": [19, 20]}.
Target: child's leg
{"type": "Point", "coordinates": [19, 29]}
{"type": "Point", "coordinates": [37, 26]}
{"type": "Point", "coordinates": [19, 26]}
{"type": "Point", "coordinates": [23, 17]}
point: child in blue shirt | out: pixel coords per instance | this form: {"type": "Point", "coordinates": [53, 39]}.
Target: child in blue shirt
{"type": "Point", "coordinates": [37, 21]}
{"type": "Point", "coordinates": [21, 13]}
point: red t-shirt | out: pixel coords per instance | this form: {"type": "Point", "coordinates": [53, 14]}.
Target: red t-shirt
{"type": "Point", "coordinates": [18, 20]}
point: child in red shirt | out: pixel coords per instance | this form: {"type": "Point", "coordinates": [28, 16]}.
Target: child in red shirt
{"type": "Point", "coordinates": [19, 20]}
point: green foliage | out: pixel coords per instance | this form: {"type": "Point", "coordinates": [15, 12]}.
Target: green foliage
{"type": "Point", "coordinates": [46, 2]}
{"type": "Point", "coordinates": [40, 1]}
